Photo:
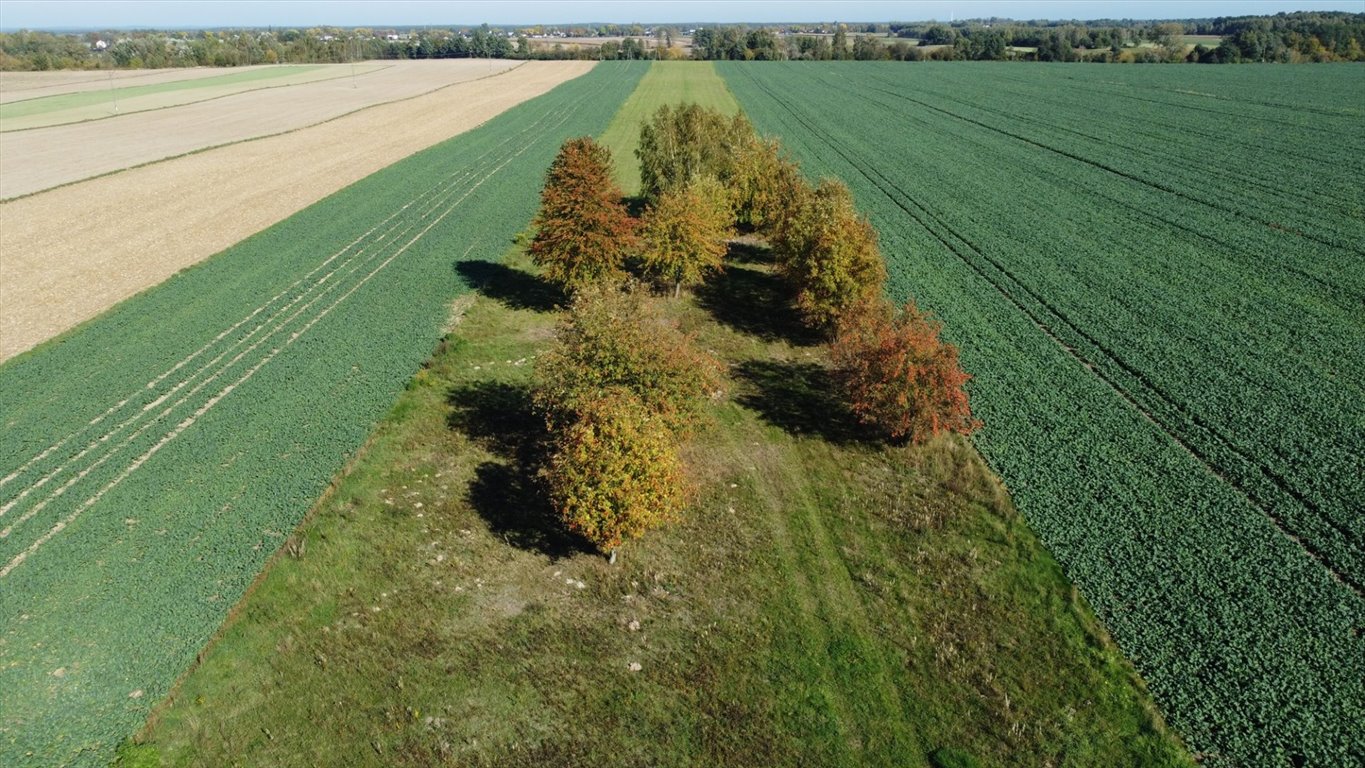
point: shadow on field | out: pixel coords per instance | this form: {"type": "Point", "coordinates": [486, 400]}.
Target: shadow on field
{"type": "Point", "coordinates": [799, 398]}
{"type": "Point", "coordinates": [506, 493]}
{"type": "Point", "coordinates": [512, 287]}
{"type": "Point", "coordinates": [753, 300]}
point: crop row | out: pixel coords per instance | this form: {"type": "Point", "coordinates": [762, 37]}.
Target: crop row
{"type": "Point", "coordinates": [1176, 410]}
{"type": "Point", "coordinates": [154, 459]}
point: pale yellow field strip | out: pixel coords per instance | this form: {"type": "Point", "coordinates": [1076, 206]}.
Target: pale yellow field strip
{"type": "Point", "coordinates": [143, 103]}
{"type": "Point", "coordinates": [31, 161]}
{"type": "Point", "coordinates": [70, 253]}
{"type": "Point", "coordinates": [17, 86]}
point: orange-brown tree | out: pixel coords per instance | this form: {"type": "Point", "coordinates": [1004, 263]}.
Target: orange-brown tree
{"type": "Point", "coordinates": [685, 233]}
{"type": "Point", "coordinates": [899, 376]}
{"type": "Point", "coordinates": [583, 231]}
{"type": "Point", "coordinates": [827, 252]}
{"type": "Point", "coordinates": [615, 472]}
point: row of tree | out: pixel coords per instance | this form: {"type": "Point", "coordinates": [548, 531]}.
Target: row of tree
{"type": "Point", "coordinates": [1285, 37]}
{"type": "Point", "coordinates": [620, 388]}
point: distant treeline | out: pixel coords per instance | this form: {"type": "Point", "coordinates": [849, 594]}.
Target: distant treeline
{"type": "Point", "coordinates": [1285, 37]}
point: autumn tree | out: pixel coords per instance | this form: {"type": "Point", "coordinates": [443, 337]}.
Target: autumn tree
{"type": "Point", "coordinates": [583, 231]}
{"type": "Point", "coordinates": [612, 340]}
{"type": "Point", "coordinates": [679, 144]}
{"type": "Point", "coordinates": [615, 472]}
{"type": "Point", "coordinates": [762, 182]}
{"type": "Point", "coordinates": [898, 375]}
{"type": "Point", "coordinates": [686, 232]}
{"type": "Point", "coordinates": [827, 252]}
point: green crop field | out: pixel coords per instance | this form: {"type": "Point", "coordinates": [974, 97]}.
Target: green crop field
{"type": "Point", "coordinates": [45, 104]}
{"type": "Point", "coordinates": [827, 600]}
{"type": "Point", "coordinates": [1155, 276]}
{"type": "Point", "coordinates": [153, 458]}
{"type": "Point", "coordinates": [667, 82]}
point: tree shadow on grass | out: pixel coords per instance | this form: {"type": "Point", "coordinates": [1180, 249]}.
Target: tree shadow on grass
{"type": "Point", "coordinates": [513, 287]}
{"type": "Point", "coordinates": [753, 300]}
{"type": "Point", "coordinates": [801, 399]}
{"type": "Point", "coordinates": [507, 493]}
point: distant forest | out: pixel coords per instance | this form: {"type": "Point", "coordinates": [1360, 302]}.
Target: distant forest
{"type": "Point", "coordinates": [1285, 37]}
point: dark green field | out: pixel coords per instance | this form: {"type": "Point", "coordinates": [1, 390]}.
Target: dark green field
{"type": "Point", "coordinates": [1155, 275]}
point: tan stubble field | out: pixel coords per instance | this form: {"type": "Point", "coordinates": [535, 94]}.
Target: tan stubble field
{"type": "Point", "coordinates": [69, 253]}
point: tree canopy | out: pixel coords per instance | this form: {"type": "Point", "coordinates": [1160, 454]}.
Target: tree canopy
{"type": "Point", "coordinates": [583, 231]}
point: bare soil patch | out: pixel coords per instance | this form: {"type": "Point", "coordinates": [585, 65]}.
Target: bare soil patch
{"type": "Point", "coordinates": [68, 254]}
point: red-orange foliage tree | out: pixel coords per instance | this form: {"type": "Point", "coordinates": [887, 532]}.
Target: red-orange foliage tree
{"type": "Point", "coordinates": [900, 377]}
{"type": "Point", "coordinates": [583, 231]}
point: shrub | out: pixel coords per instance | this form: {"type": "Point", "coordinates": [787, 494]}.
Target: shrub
{"type": "Point", "coordinates": [613, 340]}
{"type": "Point", "coordinates": [615, 472]}
{"type": "Point", "coordinates": [898, 375]}
{"type": "Point", "coordinates": [583, 232]}
{"type": "Point", "coordinates": [827, 252]}
{"type": "Point", "coordinates": [685, 233]}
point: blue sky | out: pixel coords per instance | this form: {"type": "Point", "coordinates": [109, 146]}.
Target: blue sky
{"type": "Point", "coordinates": [48, 14]}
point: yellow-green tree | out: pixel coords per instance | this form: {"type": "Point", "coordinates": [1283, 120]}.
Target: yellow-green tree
{"type": "Point", "coordinates": [615, 472]}
{"type": "Point", "coordinates": [583, 231]}
{"type": "Point", "coordinates": [612, 340]}
{"type": "Point", "coordinates": [686, 232]}
{"type": "Point", "coordinates": [827, 252]}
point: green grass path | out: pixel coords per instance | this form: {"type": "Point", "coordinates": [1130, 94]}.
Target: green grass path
{"type": "Point", "coordinates": [667, 82]}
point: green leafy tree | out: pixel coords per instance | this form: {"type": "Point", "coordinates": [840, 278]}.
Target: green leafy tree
{"type": "Point", "coordinates": [583, 231]}
{"type": "Point", "coordinates": [679, 144]}
{"type": "Point", "coordinates": [899, 376]}
{"type": "Point", "coordinates": [686, 232]}
{"type": "Point", "coordinates": [615, 472]}
{"type": "Point", "coordinates": [827, 252]}
{"type": "Point", "coordinates": [614, 340]}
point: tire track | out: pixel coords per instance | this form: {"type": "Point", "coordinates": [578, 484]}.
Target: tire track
{"type": "Point", "coordinates": [923, 218]}
{"type": "Point", "coordinates": [443, 197]}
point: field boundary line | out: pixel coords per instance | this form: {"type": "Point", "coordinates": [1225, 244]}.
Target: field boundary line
{"type": "Point", "coordinates": [438, 189]}
{"type": "Point", "coordinates": [64, 522]}
{"type": "Point", "coordinates": [281, 133]}
{"type": "Point", "coordinates": [183, 104]}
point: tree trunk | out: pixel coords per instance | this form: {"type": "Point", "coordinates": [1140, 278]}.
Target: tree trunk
{"type": "Point", "coordinates": [677, 289]}
{"type": "Point", "coordinates": [612, 559]}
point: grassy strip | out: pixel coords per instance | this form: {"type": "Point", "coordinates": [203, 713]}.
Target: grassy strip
{"type": "Point", "coordinates": [164, 527]}
{"type": "Point", "coordinates": [826, 601]}
{"type": "Point", "coordinates": [667, 82]}
{"type": "Point", "coordinates": [61, 101]}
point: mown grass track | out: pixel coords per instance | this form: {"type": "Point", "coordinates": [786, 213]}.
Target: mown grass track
{"type": "Point", "coordinates": [1165, 328]}
{"type": "Point", "coordinates": [155, 457]}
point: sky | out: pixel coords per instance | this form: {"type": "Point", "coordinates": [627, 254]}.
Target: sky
{"type": "Point", "coordinates": [182, 14]}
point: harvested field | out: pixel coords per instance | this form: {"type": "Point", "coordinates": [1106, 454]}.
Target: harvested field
{"type": "Point", "coordinates": [68, 254]}
{"type": "Point", "coordinates": [17, 86]}
{"type": "Point", "coordinates": [32, 161]}
{"type": "Point", "coordinates": [118, 99]}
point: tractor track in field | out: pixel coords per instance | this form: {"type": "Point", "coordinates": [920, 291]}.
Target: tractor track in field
{"type": "Point", "coordinates": [894, 194]}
